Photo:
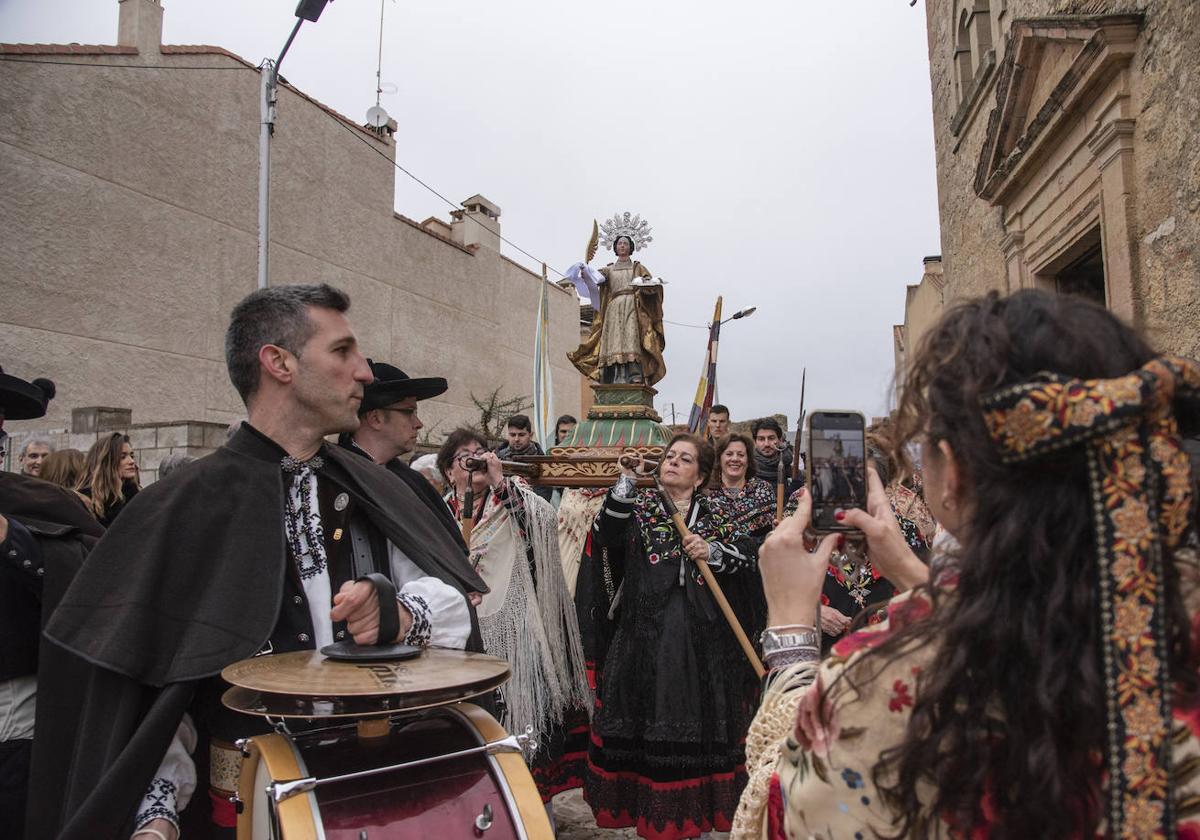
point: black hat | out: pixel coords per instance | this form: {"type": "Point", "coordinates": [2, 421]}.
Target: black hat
{"type": "Point", "coordinates": [21, 400]}
{"type": "Point", "coordinates": [392, 385]}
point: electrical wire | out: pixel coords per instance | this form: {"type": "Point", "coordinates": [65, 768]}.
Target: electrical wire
{"type": "Point", "coordinates": [18, 59]}
{"type": "Point", "coordinates": [453, 205]}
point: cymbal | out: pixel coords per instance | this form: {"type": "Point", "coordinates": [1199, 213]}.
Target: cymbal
{"type": "Point", "coordinates": [292, 706]}
{"type": "Point", "coordinates": [307, 674]}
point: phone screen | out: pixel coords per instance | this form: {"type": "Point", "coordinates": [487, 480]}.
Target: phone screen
{"type": "Point", "coordinates": [837, 471]}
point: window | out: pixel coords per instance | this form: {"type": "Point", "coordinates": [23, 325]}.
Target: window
{"type": "Point", "coordinates": [1080, 271]}
{"type": "Point", "coordinates": [972, 42]}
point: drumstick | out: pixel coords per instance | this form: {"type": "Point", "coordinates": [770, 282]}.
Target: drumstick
{"type": "Point", "coordinates": [713, 586]}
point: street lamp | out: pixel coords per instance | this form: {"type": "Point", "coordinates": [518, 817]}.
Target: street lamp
{"type": "Point", "coordinates": [741, 313]}
{"type": "Point", "coordinates": [308, 10]}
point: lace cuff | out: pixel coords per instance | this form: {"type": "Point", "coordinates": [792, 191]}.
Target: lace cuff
{"type": "Point", "coordinates": [158, 804]}
{"type": "Point", "coordinates": [421, 629]}
{"type": "Point", "coordinates": [624, 489]}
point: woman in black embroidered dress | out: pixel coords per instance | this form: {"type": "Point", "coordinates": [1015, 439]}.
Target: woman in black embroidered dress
{"type": "Point", "coordinates": [677, 694]}
{"type": "Point", "coordinates": [736, 485]}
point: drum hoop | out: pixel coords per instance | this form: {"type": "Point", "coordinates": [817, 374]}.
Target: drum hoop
{"type": "Point", "coordinates": [528, 809]}
{"type": "Point", "coordinates": [283, 763]}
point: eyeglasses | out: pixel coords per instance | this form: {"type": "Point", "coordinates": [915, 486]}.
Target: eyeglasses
{"type": "Point", "coordinates": [474, 453]}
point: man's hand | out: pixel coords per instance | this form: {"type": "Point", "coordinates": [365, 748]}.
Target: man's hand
{"type": "Point", "coordinates": [357, 604]}
{"type": "Point", "coordinates": [475, 598]}
{"type": "Point", "coordinates": [160, 825]}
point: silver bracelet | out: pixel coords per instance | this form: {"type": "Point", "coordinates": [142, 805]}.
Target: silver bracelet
{"type": "Point", "coordinates": [789, 656]}
{"type": "Point", "coordinates": [772, 639]}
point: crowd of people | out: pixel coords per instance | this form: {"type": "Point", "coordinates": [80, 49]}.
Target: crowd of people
{"type": "Point", "coordinates": [1003, 642]}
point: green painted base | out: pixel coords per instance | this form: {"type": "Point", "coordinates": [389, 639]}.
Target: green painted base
{"type": "Point", "coordinates": [621, 416]}
{"type": "Point", "coordinates": [617, 434]}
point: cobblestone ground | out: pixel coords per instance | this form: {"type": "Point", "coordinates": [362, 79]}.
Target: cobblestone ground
{"type": "Point", "coordinates": [574, 821]}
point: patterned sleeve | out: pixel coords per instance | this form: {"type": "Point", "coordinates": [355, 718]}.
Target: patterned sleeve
{"type": "Point", "coordinates": [731, 548]}
{"type": "Point", "coordinates": [506, 493]}
{"type": "Point", "coordinates": [174, 782]}
{"type": "Point", "coordinates": [441, 616]}
{"type": "Point", "coordinates": [616, 513]}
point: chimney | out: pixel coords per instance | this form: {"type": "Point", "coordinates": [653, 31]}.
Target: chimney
{"type": "Point", "coordinates": [478, 223]}
{"type": "Point", "coordinates": [140, 25]}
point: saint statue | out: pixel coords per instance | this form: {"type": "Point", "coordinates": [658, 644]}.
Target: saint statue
{"type": "Point", "coordinates": [626, 342]}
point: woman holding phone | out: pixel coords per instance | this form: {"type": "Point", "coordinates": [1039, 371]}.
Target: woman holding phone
{"type": "Point", "coordinates": [1042, 679]}
{"type": "Point", "coordinates": [676, 693]}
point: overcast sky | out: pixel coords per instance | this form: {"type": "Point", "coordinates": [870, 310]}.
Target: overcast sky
{"type": "Point", "coordinates": [782, 151]}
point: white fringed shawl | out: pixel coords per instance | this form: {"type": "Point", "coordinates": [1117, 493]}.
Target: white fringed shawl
{"type": "Point", "coordinates": [535, 629]}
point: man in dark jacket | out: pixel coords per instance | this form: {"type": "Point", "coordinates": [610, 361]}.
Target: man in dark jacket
{"type": "Point", "coordinates": [518, 432]}
{"type": "Point", "coordinates": [276, 542]}
{"type": "Point", "coordinates": [388, 427]}
{"type": "Point", "coordinates": [45, 533]}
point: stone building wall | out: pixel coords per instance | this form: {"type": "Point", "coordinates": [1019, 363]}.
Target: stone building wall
{"type": "Point", "coordinates": [151, 442]}
{"type": "Point", "coordinates": [922, 306]}
{"type": "Point", "coordinates": [1077, 152]}
{"type": "Point", "coordinates": [128, 202]}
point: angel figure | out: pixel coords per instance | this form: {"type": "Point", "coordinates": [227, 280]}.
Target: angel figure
{"type": "Point", "coordinates": [626, 342]}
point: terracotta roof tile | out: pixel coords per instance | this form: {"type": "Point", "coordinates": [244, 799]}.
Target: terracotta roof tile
{"type": "Point", "coordinates": [66, 49]}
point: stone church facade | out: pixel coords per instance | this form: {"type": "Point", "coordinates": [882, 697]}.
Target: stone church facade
{"type": "Point", "coordinates": [1068, 154]}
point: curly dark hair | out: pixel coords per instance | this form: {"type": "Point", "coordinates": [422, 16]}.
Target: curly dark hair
{"type": "Point", "coordinates": [1014, 711]}
{"type": "Point", "coordinates": [722, 445]}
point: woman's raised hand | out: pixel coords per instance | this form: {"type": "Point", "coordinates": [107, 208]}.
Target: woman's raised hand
{"type": "Point", "coordinates": [886, 546]}
{"type": "Point", "coordinates": [630, 463]}
{"type": "Point", "coordinates": [793, 576]}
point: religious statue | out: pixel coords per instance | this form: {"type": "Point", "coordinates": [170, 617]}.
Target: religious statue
{"type": "Point", "coordinates": [626, 342]}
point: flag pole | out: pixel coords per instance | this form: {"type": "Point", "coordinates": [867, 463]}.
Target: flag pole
{"type": "Point", "coordinates": [706, 388]}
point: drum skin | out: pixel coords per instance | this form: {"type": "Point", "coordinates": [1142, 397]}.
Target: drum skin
{"type": "Point", "coordinates": [436, 801]}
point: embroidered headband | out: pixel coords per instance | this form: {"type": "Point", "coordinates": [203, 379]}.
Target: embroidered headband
{"type": "Point", "coordinates": [1141, 499]}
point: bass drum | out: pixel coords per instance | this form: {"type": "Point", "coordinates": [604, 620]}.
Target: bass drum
{"type": "Point", "coordinates": [490, 795]}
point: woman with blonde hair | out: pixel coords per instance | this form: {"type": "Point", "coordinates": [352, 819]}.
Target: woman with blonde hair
{"type": "Point", "coordinates": [110, 477]}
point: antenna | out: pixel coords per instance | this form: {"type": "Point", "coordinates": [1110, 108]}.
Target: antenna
{"type": "Point", "coordinates": [376, 115]}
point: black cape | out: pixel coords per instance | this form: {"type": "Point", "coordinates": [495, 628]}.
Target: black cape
{"type": "Point", "coordinates": [419, 485]}
{"type": "Point", "coordinates": [188, 580]}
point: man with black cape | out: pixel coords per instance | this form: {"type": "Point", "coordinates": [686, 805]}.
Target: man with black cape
{"type": "Point", "coordinates": [45, 533]}
{"type": "Point", "coordinates": [257, 548]}
{"type": "Point", "coordinates": [388, 429]}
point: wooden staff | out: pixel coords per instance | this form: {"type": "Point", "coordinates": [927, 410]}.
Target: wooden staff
{"type": "Point", "coordinates": [713, 586]}
{"type": "Point", "coordinates": [521, 468]}
{"type": "Point", "coordinates": [468, 514]}
{"type": "Point", "coordinates": [780, 488]}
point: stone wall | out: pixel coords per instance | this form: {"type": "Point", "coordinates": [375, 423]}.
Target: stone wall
{"type": "Point", "coordinates": [151, 442]}
{"type": "Point", "coordinates": [128, 201]}
{"type": "Point", "coordinates": [1147, 184]}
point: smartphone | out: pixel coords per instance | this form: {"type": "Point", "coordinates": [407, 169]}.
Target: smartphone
{"type": "Point", "coordinates": [836, 463]}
